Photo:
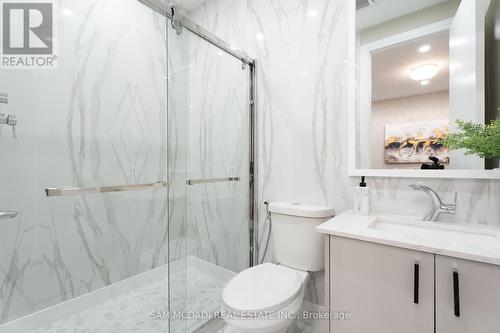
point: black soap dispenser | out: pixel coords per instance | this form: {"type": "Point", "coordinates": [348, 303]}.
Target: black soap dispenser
{"type": "Point", "coordinates": [362, 198]}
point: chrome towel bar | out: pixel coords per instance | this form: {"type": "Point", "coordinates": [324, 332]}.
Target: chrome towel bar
{"type": "Point", "coordinates": [69, 191]}
{"type": "Point", "coordinates": [213, 180]}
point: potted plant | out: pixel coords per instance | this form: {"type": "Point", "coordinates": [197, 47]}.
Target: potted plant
{"type": "Point", "coordinates": [476, 139]}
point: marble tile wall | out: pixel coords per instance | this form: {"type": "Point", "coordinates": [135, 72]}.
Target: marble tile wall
{"type": "Point", "coordinates": [301, 49]}
{"type": "Point", "coordinates": [99, 118]}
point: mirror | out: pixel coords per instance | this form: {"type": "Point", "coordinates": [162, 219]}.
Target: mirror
{"type": "Point", "coordinates": [421, 66]}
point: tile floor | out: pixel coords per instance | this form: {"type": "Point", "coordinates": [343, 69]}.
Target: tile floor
{"type": "Point", "coordinates": [133, 311]}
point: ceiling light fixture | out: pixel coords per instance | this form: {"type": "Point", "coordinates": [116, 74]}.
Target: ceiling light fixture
{"type": "Point", "coordinates": [424, 72]}
{"type": "Point", "coordinates": [424, 49]}
{"type": "Point", "coordinates": [425, 82]}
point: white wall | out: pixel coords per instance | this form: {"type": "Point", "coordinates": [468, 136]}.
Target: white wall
{"type": "Point", "coordinates": [303, 118]}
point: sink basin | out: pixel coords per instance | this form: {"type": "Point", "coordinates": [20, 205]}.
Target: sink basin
{"type": "Point", "coordinates": [458, 233]}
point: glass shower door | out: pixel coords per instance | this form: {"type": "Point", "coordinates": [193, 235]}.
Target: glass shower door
{"type": "Point", "coordinates": [209, 177]}
{"type": "Point", "coordinates": [91, 258]}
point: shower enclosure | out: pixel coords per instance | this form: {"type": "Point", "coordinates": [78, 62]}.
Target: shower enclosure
{"type": "Point", "coordinates": [127, 185]}
{"type": "Point", "coordinates": [211, 177]}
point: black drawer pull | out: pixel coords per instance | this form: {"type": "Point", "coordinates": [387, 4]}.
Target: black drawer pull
{"type": "Point", "coordinates": [456, 294]}
{"type": "Point", "coordinates": [416, 277]}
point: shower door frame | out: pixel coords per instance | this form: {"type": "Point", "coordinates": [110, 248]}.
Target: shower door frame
{"type": "Point", "coordinates": [168, 11]}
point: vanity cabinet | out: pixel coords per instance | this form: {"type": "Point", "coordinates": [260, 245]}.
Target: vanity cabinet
{"type": "Point", "coordinates": [467, 296]}
{"type": "Point", "coordinates": [391, 289]}
{"type": "Point", "coordinates": [385, 289]}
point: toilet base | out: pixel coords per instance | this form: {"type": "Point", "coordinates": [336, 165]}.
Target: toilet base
{"type": "Point", "coordinates": [268, 325]}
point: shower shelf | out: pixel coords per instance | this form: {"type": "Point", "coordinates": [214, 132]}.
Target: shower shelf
{"type": "Point", "coordinates": [69, 191]}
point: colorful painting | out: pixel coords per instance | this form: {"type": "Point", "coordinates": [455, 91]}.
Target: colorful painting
{"type": "Point", "coordinates": [416, 142]}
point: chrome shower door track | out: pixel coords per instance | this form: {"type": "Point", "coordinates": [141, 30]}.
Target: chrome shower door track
{"type": "Point", "coordinates": [198, 30]}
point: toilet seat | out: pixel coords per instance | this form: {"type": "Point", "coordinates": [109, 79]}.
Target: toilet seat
{"type": "Point", "coordinates": [266, 288]}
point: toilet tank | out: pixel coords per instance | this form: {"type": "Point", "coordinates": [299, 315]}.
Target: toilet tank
{"type": "Point", "coordinates": [296, 243]}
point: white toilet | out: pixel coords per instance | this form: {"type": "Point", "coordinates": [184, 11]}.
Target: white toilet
{"type": "Point", "coordinates": [267, 297]}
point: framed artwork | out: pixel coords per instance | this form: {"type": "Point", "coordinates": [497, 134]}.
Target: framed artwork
{"type": "Point", "coordinates": [415, 142]}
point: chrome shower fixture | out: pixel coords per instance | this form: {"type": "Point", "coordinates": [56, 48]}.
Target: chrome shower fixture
{"type": "Point", "coordinates": [9, 120]}
{"type": "Point", "coordinates": [4, 98]}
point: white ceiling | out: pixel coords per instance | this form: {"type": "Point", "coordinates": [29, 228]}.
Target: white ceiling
{"type": "Point", "coordinates": [391, 68]}
{"type": "Point", "coordinates": [385, 10]}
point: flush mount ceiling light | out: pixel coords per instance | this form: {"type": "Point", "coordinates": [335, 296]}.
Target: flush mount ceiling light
{"type": "Point", "coordinates": [424, 72]}
{"type": "Point", "coordinates": [424, 48]}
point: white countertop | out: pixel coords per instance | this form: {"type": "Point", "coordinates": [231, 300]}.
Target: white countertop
{"type": "Point", "coordinates": [471, 242]}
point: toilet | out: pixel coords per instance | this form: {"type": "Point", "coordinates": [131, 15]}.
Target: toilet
{"type": "Point", "coordinates": [265, 298]}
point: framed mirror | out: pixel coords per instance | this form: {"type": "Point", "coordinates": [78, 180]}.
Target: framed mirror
{"type": "Point", "coordinates": [423, 72]}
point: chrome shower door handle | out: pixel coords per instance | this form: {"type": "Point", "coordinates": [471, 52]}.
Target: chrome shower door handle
{"type": "Point", "coordinates": [191, 182]}
{"type": "Point", "coordinates": [8, 215]}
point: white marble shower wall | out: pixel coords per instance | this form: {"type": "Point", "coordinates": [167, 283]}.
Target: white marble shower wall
{"type": "Point", "coordinates": [99, 118]}
{"type": "Point", "coordinates": [301, 49]}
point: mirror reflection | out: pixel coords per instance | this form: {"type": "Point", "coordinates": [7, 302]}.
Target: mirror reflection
{"type": "Point", "coordinates": [428, 73]}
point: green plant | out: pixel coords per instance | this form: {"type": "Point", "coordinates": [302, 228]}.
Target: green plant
{"type": "Point", "coordinates": [478, 139]}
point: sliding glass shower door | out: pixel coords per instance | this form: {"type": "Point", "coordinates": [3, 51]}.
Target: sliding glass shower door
{"type": "Point", "coordinates": [83, 201]}
{"type": "Point", "coordinates": [209, 142]}
{"type": "Point", "coordinates": [126, 187]}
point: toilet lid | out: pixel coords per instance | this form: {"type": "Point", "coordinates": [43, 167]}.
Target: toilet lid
{"type": "Point", "coordinates": [265, 287]}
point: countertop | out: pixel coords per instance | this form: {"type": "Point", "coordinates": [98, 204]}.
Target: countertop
{"type": "Point", "coordinates": [465, 241]}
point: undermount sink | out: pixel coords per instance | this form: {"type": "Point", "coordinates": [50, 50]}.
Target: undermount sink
{"type": "Point", "coordinates": [460, 233]}
{"type": "Point", "coordinates": [474, 242]}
